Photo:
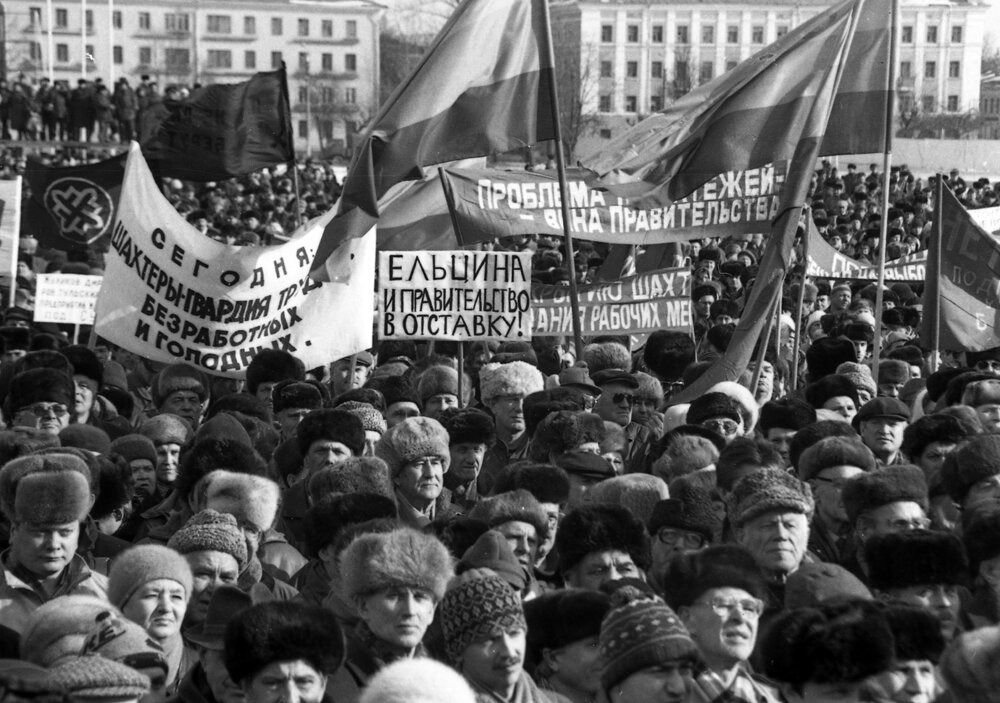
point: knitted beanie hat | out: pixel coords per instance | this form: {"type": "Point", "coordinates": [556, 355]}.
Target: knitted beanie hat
{"type": "Point", "coordinates": [638, 632]}
{"type": "Point", "coordinates": [137, 566]}
{"type": "Point", "coordinates": [478, 606]}
{"type": "Point", "coordinates": [99, 680]}
{"type": "Point", "coordinates": [835, 451]}
{"type": "Point", "coordinates": [492, 552]}
{"type": "Point", "coordinates": [371, 419]}
{"type": "Point", "coordinates": [766, 490]}
{"type": "Point", "coordinates": [420, 680]}
{"type": "Point", "coordinates": [211, 531]}
{"type": "Point", "coordinates": [132, 447]}
{"type": "Point", "coordinates": [166, 428]}
{"type": "Point", "coordinates": [413, 439]}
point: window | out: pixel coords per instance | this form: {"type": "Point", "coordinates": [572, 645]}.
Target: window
{"type": "Point", "coordinates": [326, 95]}
{"type": "Point", "coordinates": [932, 34]}
{"type": "Point", "coordinates": [177, 60]}
{"type": "Point", "coordinates": [906, 35]}
{"type": "Point", "coordinates": [145, 55]}
{"type": "Point", "coordinates": [178, 22]}
{"type": "Point", "coordinates": [757, 34]}
{"type": "Point", "coordinates": [930, 69]}
{"type": "Point", "coordinates": [35, 15]}
{"type": "Point", "coordinates": [250, 59]}
{"type": "Point", "coordinates": [952, 103]}
{"type": "Point", "coordinates": [928, 103]}
{"type": "Point", "coordinates": [733, 34]}
{"type": "Point", "coordinates": [326, 28]}
{"type": "Point", "coordinates": [657, 34]}
{"type": "Point", "coordinates": [89, 49]}
{"type": "Point", "coordinates": [62, 18]}
{"type": "Point", "coordinates": [276, 27]}
{"type": "Point", "coordinates": [276, 59]}
{"type": "Point", "coordinates": [89, 15]}
{"type": "Point", "coordinates": [607, 69]}
{"type": "Point", "coordinates": [656, 69]}
{"type": "Point", "coordinates": [707, 34]}
{"type": "Point", "coordinates": [303, 129]}
{"type": "Point", "coordinates": [143, 20]}
{"type": "Point", "coordinates": [219, 24]}
{"type": "Point", "coordinates": [352, 29]}
{"type": "Point", "coordinates": [327, 62]}
{"type": "Point", "coordinates": [117, 55]}
{"type": "Point", "coordinates": [350, 63]}
{"type": "Point", "coordinates": [731, 64]}
{"type": "Point", "coordinates": [632, 34]}
{"type": "Point", "coordinates": [631, 103]}
{"type": "Point", "coordinates": [956, 35]}
{"type": "Point", "coordinates": [782, 30]}
{"type": "Point", "coordinates": [350, 95]}
{"type": "Point", "coordinates": [605, 134]}
{"type": "Point", "coordinates": [954, 69]}
{"type": "Point", "coordinates": [303, 61]}
{"type": "Point", "coordinates": [326, 127]}
{"type": "Point", "coordinates": [607, 33]}
{"type": "Point", "coordinates": [249, 25]}
{"type": "Point", "coordinates": [303, 94]}
{"type": "Point", "coordinates": [604, 103]}
{"type": "Point", "coordinates": [682, 34]}
{"type": "Point", "coordinates": [303, 27]}
{"type": "Point", "coordinates": [35, 51]}
{"type": "Point", "coordinates": [905, 69]}
{"type": "Point", "coordinates": [631, 69]}
{"type": "Point", "coordinates": [681, 71]}
{"type": "Point", "coordinates": [62, 53]}
{"type": "Point", "coordinates": [706, 72]}
{"type": "Point", "coordinates": [220, 58]}
{"type": "Point", "coordinates": [655, 103]}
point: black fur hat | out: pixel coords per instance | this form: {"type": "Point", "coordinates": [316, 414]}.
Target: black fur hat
{"type": "Point", "coordinates": [332, 425]}
{"type": "Point", "coordinates": [689, 509]}
{"type": "Point", "coordinates": [208, 455]}
{"type": "Point", "coordinates": [928, 429]}
{"type": "Point", "coordinates": [917, 633]}
{"type": "Point", "coordinates": [282, 631]}
{"type": "Point", "coordinates": [547, 482]}
{"type": "Point", "coordinates": [787, 413]}
{"type": "Point", "coordinates": [46, 385]}
{"type": "Point", "coordinates": [889, 484]}
{"type": "Point", "coordinates": [562, 617]}
{"type": "Point", "coordinates": [468, 426]}
{"type": "Point", "coordinates": [981, 534]}
{"type": "Point", "coordinates": [810, 434]}
{"type": "Point", "coordinates": [273, 365]}
{"type": "Point", "coordinates": [841, 642]}
{"type": "Point", "coordinates": [370, 396]}
{"type": "Point", "coordinates": [84, 361]}
{"type": "Point", "coordinates": [395, 389]}
{"type": "Point", "coordinates": [117, 486]}
{"type": "Point", "coordinates": [690, 574]}
{"type": "Point", "coordinates": [291, 393]}
{"type": "Point", "coordinates": [325, 520]}
{"type": "Point", "coordinates": [831, 386]}
{"type": "Point", "coordinates": [595, 528]}
{"type": "Point", "coordinates": [915, 558]}
{"type": "Point", "coordinates": [668, 353]}
{"type": "Point", "coordinates": [969, 465]}
{"type": "Point", "coordinates": [826, 354]}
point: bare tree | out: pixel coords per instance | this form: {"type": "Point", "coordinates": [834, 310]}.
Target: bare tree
{"type": "Point", "coordinates": [576, 76]}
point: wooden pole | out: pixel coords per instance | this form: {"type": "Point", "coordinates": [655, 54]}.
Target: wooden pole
{"type": "Point", "coordinates": [574, 299]}
{"type": "Point", "coordinates": [799, 331]}
{"type": "Point", "coordinates": [937, 237]}
{"type": "Point", "coordinates": [461, 372]}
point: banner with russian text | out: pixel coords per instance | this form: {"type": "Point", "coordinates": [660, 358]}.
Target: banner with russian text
{"type": "Point", "coordinates": [827, 262]}
{"type": "Point", "coordinates": [643, 303]}
{"type": "Point", "coordinates": [67, 298]}
{"type": "Point", "coordinates": [10, 229]}
{"type": "Point", "coordinates": [487, 204]}
{"type": "Point", "coordinates": [454, 295]}
{"type": "Point", "coordinates": [172, 294]}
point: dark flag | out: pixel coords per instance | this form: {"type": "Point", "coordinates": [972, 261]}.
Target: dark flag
{"type": "Point", "coordinates": [223, 131]}
{"type": "Point", "coordinates": [72, 207]}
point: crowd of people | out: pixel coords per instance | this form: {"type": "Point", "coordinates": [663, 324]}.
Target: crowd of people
{"type": "Point", "coordinates": [507, 522]}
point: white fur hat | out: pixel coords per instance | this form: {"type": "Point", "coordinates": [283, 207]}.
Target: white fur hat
{"type": "Point", "coordinates": [250, 499]}
{"type": "Point", "coordinates": [417, 681]}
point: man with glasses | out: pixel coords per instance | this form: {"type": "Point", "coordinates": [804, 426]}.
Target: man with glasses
{"type": "Point", "coordinates": [682, 524]}
{"type": "Point", "coordinates": [578, 377]}
{"type": "Point", "coordinates": [717, 412]}
{"type": "Point", "coordinates": [502, 388]}
{"type": "Point", "coordinates": [826, 466]}
{"type": "Point", "coordinates": [618, 390]}
{"type": "Point", "coordinates": [987, 361]}
{"type": "Point", "coordinates": [719, 596]}
{"type": "Point", "coordinates": [891, 499]}
{"type": "Point", "coordinates": [41, 399]}
{"type": "Point", "coordinates": [920, 568]}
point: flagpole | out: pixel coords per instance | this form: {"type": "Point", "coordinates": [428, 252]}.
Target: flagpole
{"type": "Point", "coordinates": [291, 146]}
{"type": "Point", "coordinates": [763, 341]}
{"type": "Point", "coordinates": [937, 237]}
{"type": "Point", "coordinates": [574, 299]}
{"type": "Point", "coordinates": [799, 303]}
{"type": "Point", "coordinates": [886, 168]}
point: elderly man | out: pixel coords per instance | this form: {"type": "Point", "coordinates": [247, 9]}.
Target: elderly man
{"type": "Point", "coordinates": [470, 434]}
{"type": "Point", "coordinates": [183, 390]}
{"type": "Point", "coordinates": [601, 543]}
{"type": "Point", "coordinates": [291, 401]}
{"type": "Point", "coordinates": [343, 377]}
{"type": "Point", "coordinates": [971, 475]}
{"type": "Point", "coordinates": [503, 388]}
{"type": "Point", "coordinates": [41, 399]}
{"type": "Point", "coordinates": [45, 498]}
{"type": "Point", "coordinates": [615, 404]}
{"type": "Point", "coordinates": [770, 512]}
{"type": "Point", "coordinates": [267, 369]}
{"type": "Point", "coordinates": [881, 423]}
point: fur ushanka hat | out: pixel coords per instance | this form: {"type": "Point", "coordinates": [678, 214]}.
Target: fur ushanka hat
{"type": "Point", "coordinates": [401, 558]}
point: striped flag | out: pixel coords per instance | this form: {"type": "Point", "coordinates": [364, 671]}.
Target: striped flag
{"type": "Point", "coordinates": [481, 88]}
{"type": "Point", "coordinates": [756, 113]}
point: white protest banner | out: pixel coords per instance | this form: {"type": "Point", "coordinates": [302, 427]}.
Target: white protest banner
{"type": "Point", "coordinates": [172, 294]}
{"type": "Point", "coordinates": [66, 297]}
{"type": "Point", "coordinates": [454, 294]}
{"type": "Point", "coordinates": [10, 229]}
{"type": "Point", "coordinates": [987, 217]}
{"type": "Point", "coordinates": [643, 303]}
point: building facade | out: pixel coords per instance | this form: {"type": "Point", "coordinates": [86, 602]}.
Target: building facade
{"type": "Point", "coordinates": [989, 107]}
{"type": "Point", "coordinates": [330, 49]}
{"type": "Point", "coordinates": [636, 57]}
